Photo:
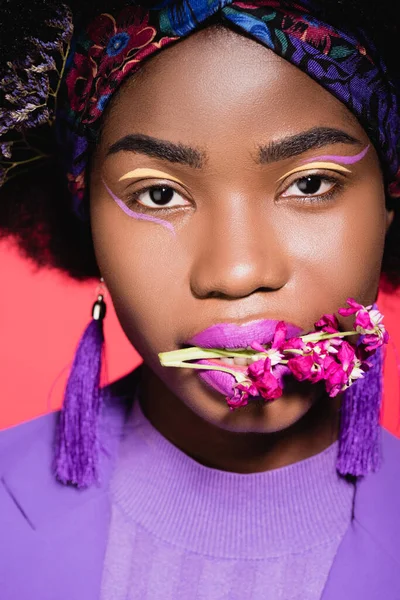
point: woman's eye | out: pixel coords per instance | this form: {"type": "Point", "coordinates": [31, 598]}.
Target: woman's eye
{"type": "Point", "coordinates": [161, 196]}
{"type": "Point", "coordinates": [310, 185]}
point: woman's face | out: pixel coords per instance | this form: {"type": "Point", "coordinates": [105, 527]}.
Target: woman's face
{"type": "Point", "coordinates": [235, 236]}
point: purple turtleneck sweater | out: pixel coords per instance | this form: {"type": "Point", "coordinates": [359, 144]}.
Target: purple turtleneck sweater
{"type": "Point", "coordinates": [181, 530]}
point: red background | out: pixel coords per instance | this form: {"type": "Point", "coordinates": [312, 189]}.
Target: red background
{"type": "Point", "coordinates": [43, 314]}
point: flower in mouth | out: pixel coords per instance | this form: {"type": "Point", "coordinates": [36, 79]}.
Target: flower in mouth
{"type": "Point", "coordinates": [327, 323]}
{"type": "Point", "coordinates": [368, 322]}
{"type": "Point", "coordinates": [322, 355]}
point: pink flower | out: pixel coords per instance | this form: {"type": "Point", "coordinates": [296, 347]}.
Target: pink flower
{"type": "Point", "coordinates": [239, 398]}
{"type": "Point", "coordinates": [309, 366]}
{"type": "Point", "coordinates": [327, 323]}
{"type": "Point", "coordinates": [372, 342]}
{"type": "Point", "coordinates": [267, 385]}
{"type": "Point", "coordinates": [256, 369]}
{"type": "Point", "coordinates": [354, 307]}
{"type": "Point", "coordinates": [380, 335]}
{"type": "Point", "coordinates": [335, 377]}
{"type": "Point", "coordinates": [272, 353]}
{"type": "Point", "coordinates": [331, 346]}
{"type": "Point", "coordinates": [368, 321]}
{"type": "Point", "coordinates": [333, 360]}
{"type": "Point", "coordinates": [341, 371]}
{"type": "Point", "coordinates": [313, 358]}
{"type": "Point", "coordinates": [363, 321]}
{"type": "Point", "coordinates": [294, 343]}
{"type": "Point", "coordinates": [301, 366]}
{"type": "Point", "coordinates": [346, 356]}
{"type": "Point", "coordinates": [257, 346]}
{"type": "Point", "coordinates": [280, 335]}
{"type": "Point", "coordinates": [242, 392]}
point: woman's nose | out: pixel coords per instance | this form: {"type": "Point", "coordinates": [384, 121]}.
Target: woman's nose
{"type": "Point", "coordinates": [236, 256]}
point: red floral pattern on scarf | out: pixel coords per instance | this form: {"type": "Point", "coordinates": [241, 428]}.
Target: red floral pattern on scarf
{"type": "Point", "coordinates": [117, 39]}
{"type": "Point", "coordinates": [116, 44]}
{"type": "Point", "coordinates": [313, 33]}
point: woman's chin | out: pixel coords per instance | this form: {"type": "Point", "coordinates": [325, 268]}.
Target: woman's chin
{"type": "Point", "coordinates": [259, 415]}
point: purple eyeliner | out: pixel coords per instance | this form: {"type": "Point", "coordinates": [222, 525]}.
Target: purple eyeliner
{"type": "Point", "coordinates": [345, 160]}
{"type": "Point", "coordinates": [136, 215]}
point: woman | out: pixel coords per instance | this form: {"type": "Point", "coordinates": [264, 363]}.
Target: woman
{"type": "Point", "coordinates": [234, 167]}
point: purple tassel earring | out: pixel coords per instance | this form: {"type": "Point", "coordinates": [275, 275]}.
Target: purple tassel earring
{"type": "Point", "coordinates": [77, 445]}
{"type": "Point", "coordinates": [359, 422]}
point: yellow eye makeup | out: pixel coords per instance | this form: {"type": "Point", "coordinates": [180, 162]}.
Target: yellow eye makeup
{"type": "Point", "coordinates": [140, 173]}
{"type": "Point", "coordinates": [316, 165]}
{"type": "Point", "coordinates": [331, 162]}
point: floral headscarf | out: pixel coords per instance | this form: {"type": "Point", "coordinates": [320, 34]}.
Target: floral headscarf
{"type": "Point", "coordinates": [114, 46]}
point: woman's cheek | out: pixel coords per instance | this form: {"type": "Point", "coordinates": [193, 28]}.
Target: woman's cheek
{"type": "Point", "coordinates": [362, 243]}
{"type": "Point", "coordinates": [337, 253]}
{"type": "Point", "coordinates": [144, 268]}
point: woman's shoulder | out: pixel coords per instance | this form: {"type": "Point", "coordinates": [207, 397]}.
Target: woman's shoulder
{"type": "Point", "coordinates": [41, 518]}
{"type": "Point", "coordinates": [383, 484]}
{"type": "Point", "coordinates": [390, 450]}
{"type": "Point", "coordinates": [39, 433]}
{"type": "Point", "coordinates": [16, 439]}
{"type": "Point", "coordinates": [377, 498]}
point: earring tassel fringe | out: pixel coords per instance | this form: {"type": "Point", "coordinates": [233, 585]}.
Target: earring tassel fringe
{"type": "Point", "coordinates": [359, 423]}
{"type": "Point", "coordinates": [77, 445]}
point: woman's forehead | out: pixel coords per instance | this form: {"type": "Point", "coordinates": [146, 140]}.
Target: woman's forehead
{"type": "Point", "coordinates": [226, 87]}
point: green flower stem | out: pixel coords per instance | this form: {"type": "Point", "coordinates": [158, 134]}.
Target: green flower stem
{"type": "Point", "coordinates": [317, 337]}
{"type": "Point", "coordinates": [179, 358]}
{"type": "Point", "coordinates": [196, 353]}
{"type": "Point", "coordinates": [238, 376]}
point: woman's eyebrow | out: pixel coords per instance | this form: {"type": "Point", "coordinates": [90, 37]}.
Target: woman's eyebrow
{"type": "Point", "coordinates": [163, 149]}
{"type": "Point", "coordinates": [288, 147]}
{"type": "Point", "coordinates": [297, 144]}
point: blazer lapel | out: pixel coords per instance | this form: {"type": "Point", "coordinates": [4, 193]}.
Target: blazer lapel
{"type": "Point", "coordinates": [53, 537]}
{"type": "Point", "coordinates": [367, 564]}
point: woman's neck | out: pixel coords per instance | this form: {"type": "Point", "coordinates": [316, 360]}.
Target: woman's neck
{"type": "Point", "coordinates": [247, 452]}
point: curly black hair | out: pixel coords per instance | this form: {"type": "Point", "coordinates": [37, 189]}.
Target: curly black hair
{"type": "Point", "coordinates": [35, 207]}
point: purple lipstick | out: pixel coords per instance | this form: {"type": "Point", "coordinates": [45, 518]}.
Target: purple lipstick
{"type": "Point", "coordinates": [233, 336]}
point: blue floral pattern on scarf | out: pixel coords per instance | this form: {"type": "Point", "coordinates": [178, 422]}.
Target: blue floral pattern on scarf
{"type": "Point", "coordinates": [117, 43]}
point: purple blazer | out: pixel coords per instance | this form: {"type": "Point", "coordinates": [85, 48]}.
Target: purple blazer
{"type": "Point", "coordinates": [53, 537]}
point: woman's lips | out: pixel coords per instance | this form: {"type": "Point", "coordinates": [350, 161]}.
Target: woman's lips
{"type": "Point", "coordinates": [232, 335]}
